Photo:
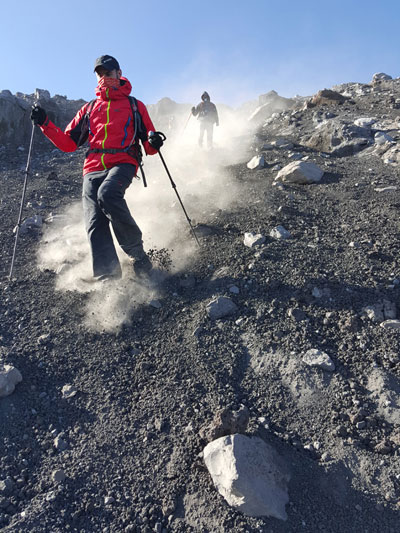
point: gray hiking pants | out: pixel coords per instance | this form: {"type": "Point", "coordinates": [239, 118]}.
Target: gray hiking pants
{"type": "Point", "coordinates": [206, 126]}
{"type": "Point", "coordinates": [103, 202]}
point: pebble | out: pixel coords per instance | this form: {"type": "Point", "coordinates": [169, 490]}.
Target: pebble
{"type": "Point", "coordinates": [318, 358]}
{"type": "Point", "coordinates": [68, 391]}
{"type": "Point", "coordinates": [60, 444]}
{"type": "Point", "coordinates": [58, 476]}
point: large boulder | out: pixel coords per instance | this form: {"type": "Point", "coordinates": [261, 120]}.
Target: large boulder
{"type": "Point", "coordinates": [300, 172]}
{"type": "Point", "coordinates": [340, 138]}
{"type": "Point", "coordinates": [249, 474]}
{"type": "Point", "coordinates": [270, 103]}
{"type": "Point", "coordinates": [328, 97]}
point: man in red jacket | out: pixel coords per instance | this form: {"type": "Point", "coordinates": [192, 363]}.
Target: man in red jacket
{"type": "Point", "coordinates": [113, 125]}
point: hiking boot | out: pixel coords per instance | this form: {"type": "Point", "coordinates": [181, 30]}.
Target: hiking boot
{"type": "Point", "coordinates": [142, 266]}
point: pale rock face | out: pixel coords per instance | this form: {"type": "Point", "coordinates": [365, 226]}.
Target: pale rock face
{"type": "Point", "coordinates": [249, 474]}
{"type": "Point", "coordinates": [300, 172]}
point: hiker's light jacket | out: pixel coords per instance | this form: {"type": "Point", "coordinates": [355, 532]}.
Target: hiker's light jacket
{"type": "Point", "coordinates": [110, 126]}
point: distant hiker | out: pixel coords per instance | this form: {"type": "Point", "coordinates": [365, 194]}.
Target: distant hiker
{"type": "Point", "coordinates": [207, 115]}
{"type": "Point", "coordinates": [113, 123]}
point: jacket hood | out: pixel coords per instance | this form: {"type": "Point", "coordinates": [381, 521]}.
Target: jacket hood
{"type": "Point", "coordinates": [205, 96]}
{"type": "Point", "coordinates": [114, 93]}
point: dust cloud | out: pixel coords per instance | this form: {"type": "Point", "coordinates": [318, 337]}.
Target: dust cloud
{"type": "Point", "coordinates": [204, 186]}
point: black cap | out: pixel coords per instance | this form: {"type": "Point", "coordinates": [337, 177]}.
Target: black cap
{"type": "Point", "coordinates": [107, 62]}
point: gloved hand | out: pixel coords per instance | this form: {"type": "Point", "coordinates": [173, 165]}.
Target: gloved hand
{"type": "Point", "coordinates": [38, 115]}
{"type": "Point", "coordinates": [193, 109]}
{"type": "Point", "coordinates": [156, 139]}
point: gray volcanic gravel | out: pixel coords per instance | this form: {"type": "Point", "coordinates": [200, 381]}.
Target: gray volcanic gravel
{"type": "Point", "coordinates": [125, 453]}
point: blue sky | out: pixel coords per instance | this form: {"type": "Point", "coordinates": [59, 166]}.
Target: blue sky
{"type": "Point", "coordinates": [176, 48]}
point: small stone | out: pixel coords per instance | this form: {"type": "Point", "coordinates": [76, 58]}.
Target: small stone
{"type": "Point", "coordinates": [108, 500]}
{"type": "Point", "coordinates": [253, 239]}
{"type": "Point", "coordinates": [6, 486]}
{"type": "Point", "coordinates": [58, 476]}
{"type": "Point", "coordinates": [279, 232]}
{"type": "Point", "coordinates": [220, 307]}
{"type": "Point", "coordinates": [297, 314]}
{"type": "Point", "coordinates": [383, 447]}
{"type": "Point", "coordinates": [315, 357]}
{"type": "Point", "coordinates": [256, 163]}
{"type": "Point", "coordinates": [51, 496]}
{"type": "Point", "coordinates": [9, 378]}
{"type": "Point", "coordinates": [43, 339]}
{"type": "Point", "coordinates": [68, 391]}
{"type": "Point", "coordinates": [60, 444]}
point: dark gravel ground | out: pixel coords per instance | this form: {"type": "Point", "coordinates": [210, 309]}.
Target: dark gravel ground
{"type": "Point", "coordinates": [133, 451]}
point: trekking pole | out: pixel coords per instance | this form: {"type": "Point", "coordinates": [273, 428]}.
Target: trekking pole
{"type": "Point", "coordinates": [143, 176]}
{"type": "Point", "coordinates": [28, 166]}
{"type": "Point", "coordinates": [186, 123]}
{"type": "Point", "coordinates": [174, 186]}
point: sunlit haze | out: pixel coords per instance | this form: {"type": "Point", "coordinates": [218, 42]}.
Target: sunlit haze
{"type": "Point", "coordinates": [234, 50]}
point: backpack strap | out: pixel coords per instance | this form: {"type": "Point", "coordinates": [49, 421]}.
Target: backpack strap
{"type": "Point", "coordinates": [133, 149]}
{"type": "Point", "coordinates": [140, 130]}
{"type": "Point", "coordinates": [85, 127]}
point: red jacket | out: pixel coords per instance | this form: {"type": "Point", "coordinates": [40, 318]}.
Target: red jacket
{"type": "Point", "coordinates": [111, 125]}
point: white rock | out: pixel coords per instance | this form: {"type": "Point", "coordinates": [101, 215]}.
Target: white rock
{"type": "Point", "coordinates": [249, 474]}
{"type": "Point", "coordinates": [256, 163]}
{"type": "Point", "coordinates": [9, 377]}
{"type": "Point", "coordinates": [300, 172]}
{"type": "Point", "coordinates": [386, 189]}
{"type": "Point", "coordinates": [315, 357]}
{"type": "Point", "coordinates": [365, 122]}
{"type": "Point", "coordinates": [279, 232]}
{"type": "Point", "coordinates": [68, 391]}
{"type": "Point", "coordinates": [220, 307]}
{"type": "Point", "coordinates": [253, 239]}
{"type": "Point", "coordinates": [391, 324]}
{"type": "Point", "coordinates": [381, 138]}
{"type": "Point", "coordinates": [60, 444]}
